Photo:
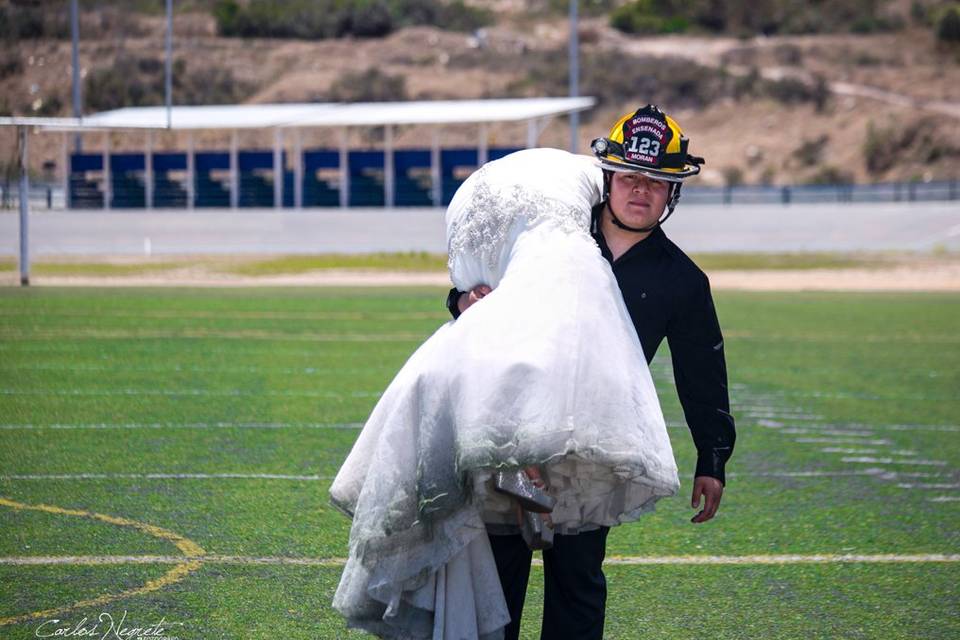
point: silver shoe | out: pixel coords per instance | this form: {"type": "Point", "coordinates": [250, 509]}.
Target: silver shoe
{"type": "Point", "coordinates": [517, 484]}
{"type": "Point", "coordinates": [537, 530]}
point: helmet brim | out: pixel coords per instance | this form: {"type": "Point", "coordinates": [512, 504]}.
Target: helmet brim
{"type": "Point", "coordinates": [678, 175]}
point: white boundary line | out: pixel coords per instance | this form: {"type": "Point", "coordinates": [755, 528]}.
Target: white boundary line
{"type": "Point", "coordinates": [876, 472]}
{"type": "Point", "coordinates": [859, 441]}
{"type": "Point", "coordinates": [188, 425]}
{"type": "Point", "coordinates": [186, 392]}
{"type": "Point", "coordinates": [94, 334]}
{"type": "Point", "coordinates": [872, 460]}
{"type": "Point", "coordinates": [850, 427]}
{"type": "Point", "coordinates": [163, 476]}
{"type": "Point", "coordinates": [339, 371]}
{"type": "Point", "coordinates": [823, 558]}
{"type": "Point", "coordinates": [236, 315]}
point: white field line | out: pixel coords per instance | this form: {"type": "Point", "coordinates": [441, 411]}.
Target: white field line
{"type": "Point", "coordinates": [771, 414]}
{"type": "Point", "coordinates": [944, 499]}
{"type": "Point", "coordinates": [853, 433]}
{"type": "Point", "coordinates": [848, 427]}
{"type": "Point", "coordinates": [897, 452]}
{"type": "Point", "coordinates": [917, 338]}
{"type": "Point", "coordinates": [191, 334]}
{"type": "Point", "coordinates": [952, 428]}
{"type": "Point", "coordinates": [871, 460]}
{"type": "Point", "coordinates": [929, 485]}
{"type": "Point", "coordinates": [189, 425]}
{"type": "Point", "coordinates": [236, 315]}
{"type": "Point", "coordinates": [880, 473]}
{"type": "Point", "coordinates": [883, 474]}
{"type": "Point", "coordinates": [822, 558]}
{"type": "Point", "coordinates": [877, 441]}
{"type": "Point", "coordinates": [214, 425]}
{"type": "Point", "coordinates": [235, 393]}
{"type": "Point", "coordinates": [339, 371]}
{"type": "Point", "coordinates": [164, 476]}
{"type": "Point", "coordinates": [319, 352]}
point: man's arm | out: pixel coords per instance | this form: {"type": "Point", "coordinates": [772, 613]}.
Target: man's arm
{"type": "Point", "coordinates": [459, 301]}
{"type": "Point", "coordinates": [453, 302]}
{"type": "Point", "coordinates": [700, 371]}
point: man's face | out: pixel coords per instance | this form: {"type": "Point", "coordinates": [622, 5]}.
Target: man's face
{"type": "Point", "coordinates": [638, 201]}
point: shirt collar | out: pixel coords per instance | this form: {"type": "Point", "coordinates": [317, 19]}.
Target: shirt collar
{"type": "Point", "coordinates": [651, 243]}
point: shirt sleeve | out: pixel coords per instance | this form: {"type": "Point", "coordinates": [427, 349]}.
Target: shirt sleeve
{"type": "Point", "coordinates": [451, 302]}
{"type": "Point", "coordinates": [700, 371]}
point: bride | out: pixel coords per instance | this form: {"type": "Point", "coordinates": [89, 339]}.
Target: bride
{"type": "Point", "coordinates": [546, 371]}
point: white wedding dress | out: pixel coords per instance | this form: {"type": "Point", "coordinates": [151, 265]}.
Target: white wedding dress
{"type": "Point", "coordinates": [547, 369]}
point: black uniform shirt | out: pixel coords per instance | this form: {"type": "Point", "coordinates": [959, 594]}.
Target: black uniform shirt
{"type": "Point", "coordinates": [668, 296]}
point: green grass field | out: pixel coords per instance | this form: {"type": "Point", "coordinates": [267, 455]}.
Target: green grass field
{"type": "Point", "coordinates": [417, 261]}
{"type": "Point", "coordinates": [138, 403]}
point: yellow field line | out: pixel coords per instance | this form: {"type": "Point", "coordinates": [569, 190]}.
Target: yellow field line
{"type": "Point", "coordinates": [181, 570]}
{"type": "Point", "coordinates": [817, 558]}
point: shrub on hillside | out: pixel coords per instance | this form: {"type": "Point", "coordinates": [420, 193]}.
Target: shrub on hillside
{"type": "Point", "coordinates": [612, 77]}
{"type": "Point", "coordinates": [26, 20]}
{"type": "Point", "coordinates": [917, 141]}
{"type": "Point", "coordinates": [796, 91]}
{"type": "Point", "coordinates": [828, 174]}
{"type": "Point", "coordinates": [948, 24]}
{"type": "Point", "coordinates": [585, 8]}
{"type": "Point", "coordinates": [753, 17]}
{"type": "Point", "coordinates": [320, 19]}
{"type": "Point", "coordinates": [135, 82]}
{"type": "Point", "coordinates": [371, 85]}
{"type": "Point", "coordinates": [649, 16]}
{"type": "Point", "coordinates": [12, 66]}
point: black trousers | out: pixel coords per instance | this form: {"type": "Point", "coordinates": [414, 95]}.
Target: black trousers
{"type": "Point", "coordinates": [575, 590]}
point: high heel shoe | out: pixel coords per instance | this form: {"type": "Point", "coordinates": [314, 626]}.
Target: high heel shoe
{"type": "Point", "coordinates": [531, 498]}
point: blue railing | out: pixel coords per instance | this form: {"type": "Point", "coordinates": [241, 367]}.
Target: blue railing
{"type": "Point", "coordinates": [815, 193]}
{"type": "Point", "coordinates": [412, 183]}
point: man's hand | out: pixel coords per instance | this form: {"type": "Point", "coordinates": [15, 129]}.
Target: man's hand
{"type": "Point", "coordinates": [711, 489]}
{"type": "Point", "coordinates": [467, 299]}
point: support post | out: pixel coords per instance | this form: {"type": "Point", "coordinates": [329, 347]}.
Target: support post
{"type": "Point", "coordinates": [298, 169]}
{"type": "Point", "coordinates": [65, 153]}
{"type": "Point", "coordinates": [388, 171]}
{"type": "Point", "coordinates": [168, 66]}
{"type": "Point", "coordinates": [75, 56]}
{"type": "Point", "coordinates": [574, 78]}
{"type": "Point", "coordinates": [24, 210]}
{"type": "Point", "coordinates": [278, 168]}
{"type": "Point", "coordinates": [344, 171]}
{"type": "Point", "coordinates": [436, 178]}
{"type": "Point", "coordinates": [148, 173]}
{"type": "Point", "coordinates": [533, 132]}
{"type": "Point", "coordinates": [483, 152]}
{"type": "Point", "coordinates": [107, 178]}
{"type": "Point", "coordinates": [234, 171]}
{"type": "Point", "coordinates": [191, 172]}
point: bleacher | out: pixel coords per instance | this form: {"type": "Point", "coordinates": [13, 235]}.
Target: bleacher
{"type": "Point", "coordinates": [321, 180]}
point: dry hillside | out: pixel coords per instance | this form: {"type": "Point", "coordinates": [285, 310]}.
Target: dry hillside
{"type": "Point", "coordinates": [782, 109]}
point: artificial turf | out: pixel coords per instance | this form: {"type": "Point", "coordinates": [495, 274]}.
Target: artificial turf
{"type": "Point", "coordinates": [123, 383]}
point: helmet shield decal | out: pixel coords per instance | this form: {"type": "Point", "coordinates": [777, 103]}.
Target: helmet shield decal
{"type": "Point", "coordinates": [646, 137]}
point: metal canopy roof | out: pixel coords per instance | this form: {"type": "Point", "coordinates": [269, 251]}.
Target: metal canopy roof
{"type": "Point", "coordinates": [269, 116]}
